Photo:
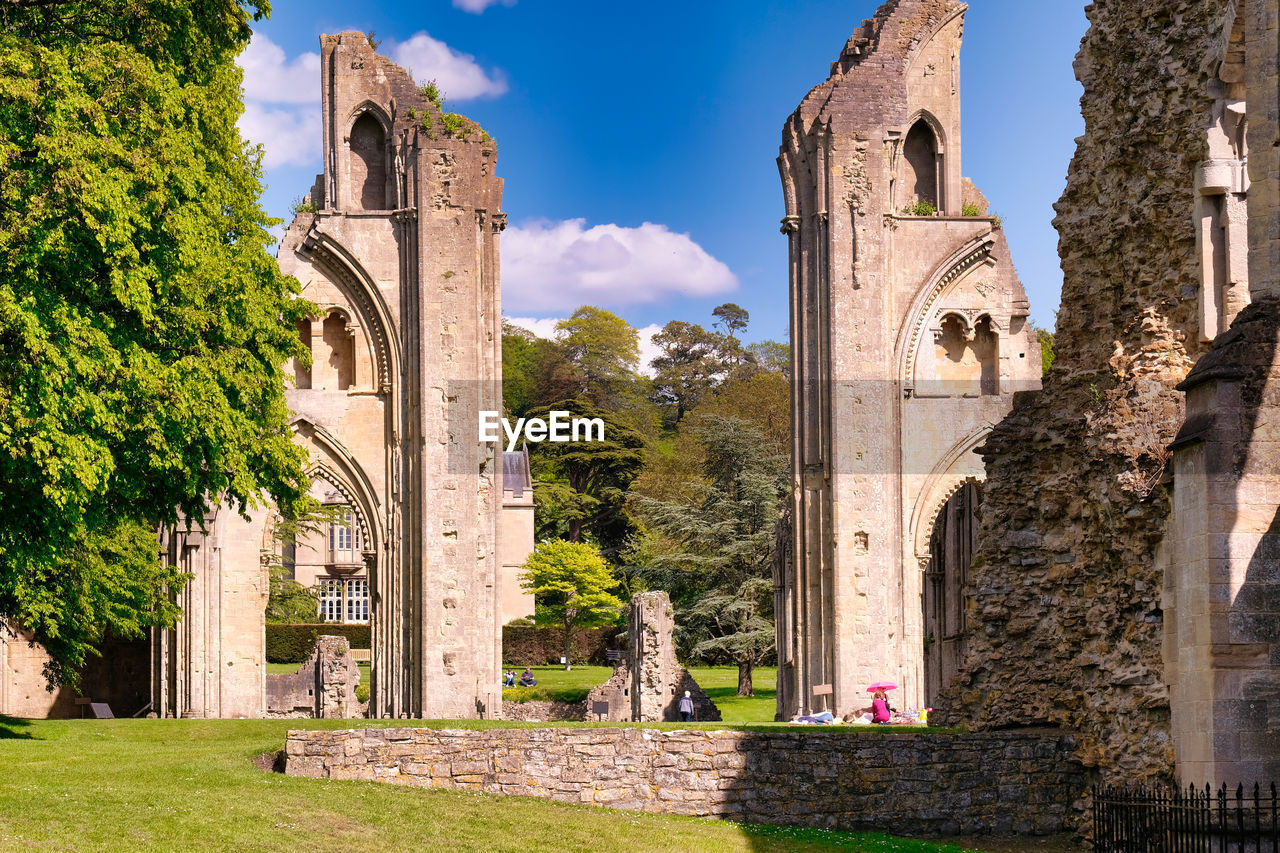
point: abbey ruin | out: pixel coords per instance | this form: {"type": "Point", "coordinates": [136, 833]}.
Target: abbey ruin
{"type": "Point", "coordinates": [397, 244]}
{"type": "Point", "coordinates": [1120, 577]}
{"type": "Point", "coordinates": [909, 336]}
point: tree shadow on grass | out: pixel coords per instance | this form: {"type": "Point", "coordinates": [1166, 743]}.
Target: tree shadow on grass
{"type": "Point", "coordinates": [11, 728]}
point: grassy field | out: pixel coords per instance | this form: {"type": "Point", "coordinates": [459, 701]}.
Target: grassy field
{"type": "Point", "coordinates": [184, 785]}
{"type": "Point", "coordinates": [720, 683]}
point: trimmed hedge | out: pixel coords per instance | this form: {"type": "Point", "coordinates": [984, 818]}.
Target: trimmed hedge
{"type": "Point", "coordinates": [522, 645]}
{"type": "Point", "coordinates": [293, 643]}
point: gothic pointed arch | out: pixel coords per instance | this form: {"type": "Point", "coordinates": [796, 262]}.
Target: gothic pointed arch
{"type": "Point", "coordinates": [928, 299]}
{"type": "Point", "coordinates": [959, 466]}
{"type": "Point", "coordinates": [337, 466]}
{"type": "Point", "coordinates": [355, 283]}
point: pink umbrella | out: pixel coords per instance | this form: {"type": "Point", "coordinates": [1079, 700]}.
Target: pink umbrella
{"type": "Point", "coordinates": [882, 685]}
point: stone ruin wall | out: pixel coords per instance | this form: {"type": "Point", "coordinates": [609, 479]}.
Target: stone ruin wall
{"type": "Point", "coordinates": [998, 783]}
{"type": "Point", "coordinates": [648, 681]}
{"type": "Point", "coordinates": [1065, 616]}
{"type": "Point", "coordinates": [324, 686]}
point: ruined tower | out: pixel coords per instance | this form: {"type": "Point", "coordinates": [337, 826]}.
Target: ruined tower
{"type": "Point", "coordinates": [401, 254]}
{"type": "Point", "coordinates": [397, 246]}
{"type": "Point", "coordinates": [910, 334]}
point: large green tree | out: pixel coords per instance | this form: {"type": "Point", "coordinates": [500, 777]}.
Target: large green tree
{"type": "Point", "coordinates": [570, 582]}
{"type": "Point", "coordinates": [606, 350]}
{"type": "Point", "coordinates": [143, 324]}
{"type": "Point", "coordinates": [689, 366]}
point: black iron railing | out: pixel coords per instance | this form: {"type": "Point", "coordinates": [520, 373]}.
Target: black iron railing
{"type": "Point", "coordinates": [1142, 820]}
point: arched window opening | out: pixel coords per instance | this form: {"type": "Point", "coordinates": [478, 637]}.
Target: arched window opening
{"type": "Point", "coordinates": [921, 166]}
{"type": "Point", "coordinates": [950, 554]}
{"type": "Point", "coordinates": [967, 360]}
{"type": "Point", "coordinates": [342, 351]}
{"type": "Point", "coordinates": [301, 370]}
{"type": "Point", "coordinates": [986, 346]}
{"type": "Point", "coordinates": [368, 144]}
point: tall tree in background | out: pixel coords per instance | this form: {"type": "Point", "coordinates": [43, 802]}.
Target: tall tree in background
{"type": "Point", "coordinates": [581, 487]}
{"type": "Point", "coordinates": [606, 350]}
{"type": "Point", "coordinates": [720, 572]}
{"type": "Point", "coordinates": [520, 360]}
{"type": "Point", "coordinates": [688, 368]}
{"type": "Point", "coordinates": [143, 324]}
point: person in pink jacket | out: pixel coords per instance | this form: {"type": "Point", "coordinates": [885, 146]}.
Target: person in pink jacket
{"type": "Point", "coordinates": [880, 707]}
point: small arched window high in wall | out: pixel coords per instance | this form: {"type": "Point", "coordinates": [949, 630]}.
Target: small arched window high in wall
{"type": "Point", "coordinates": [368, 164]}
{"type": "Point", "coordinates": [340, 344]}
{"type": "Point", "coordinates": [921, 166]}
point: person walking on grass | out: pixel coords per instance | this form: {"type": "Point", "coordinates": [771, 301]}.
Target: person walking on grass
{"type": "Point", "coordinates": [686, 707]}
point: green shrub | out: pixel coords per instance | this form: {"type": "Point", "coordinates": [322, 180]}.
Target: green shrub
{"type": "Point", "coordinates": [294, 643]}
{"type": "Point", "coordinates": [362, 693]}
{"type": "Point", "coordinates": [970, 208]}
{"type": "Point", "coordinates": [302, 204]}
{"type": "Point", "coordinates": [921, 208]}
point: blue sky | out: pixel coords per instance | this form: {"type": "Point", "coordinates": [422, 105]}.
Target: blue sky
{"type": "Point", "coordinates": [609, 116]}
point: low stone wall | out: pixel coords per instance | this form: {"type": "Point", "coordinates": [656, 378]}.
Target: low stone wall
{"type": "Point", "coordinates": [544, 712]}
{"type": "Point", "coordinates": [992, 783]}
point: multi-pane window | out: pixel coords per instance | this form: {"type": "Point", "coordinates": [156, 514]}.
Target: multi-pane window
{"type": "Point", "coordinates": [331, 595]}
{"type": "Point", "coordinates": [344, 600]}
{"type": "Point", "coordinates": [344, 539]}
{"type": "Point", "coordinates": [358, 600]}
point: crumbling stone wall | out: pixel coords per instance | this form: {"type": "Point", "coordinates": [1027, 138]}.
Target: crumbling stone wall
{"type": "Point", "coordinates": [1065, 614]}
{"type": "Point", "coordinates": [647, 684]}
{"type": "Point", "coordinates": [998, 783]}
{"type": "Point", "coordinates": [324, 686]}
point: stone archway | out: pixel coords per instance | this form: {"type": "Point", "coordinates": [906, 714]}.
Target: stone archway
{"type": "Point", "coordinates": [946, 572]}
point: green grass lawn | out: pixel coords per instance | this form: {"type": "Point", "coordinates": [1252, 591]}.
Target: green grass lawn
{"type": "Point", "coordinates": [720, 683]}
{"type": "Point", "coordinates": [184, 785]}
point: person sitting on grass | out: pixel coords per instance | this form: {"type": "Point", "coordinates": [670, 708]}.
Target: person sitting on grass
{"type": "Point", "coordinates": [509, 678]}
{"type": "Point", "coordinates": [880, 707]}
{"type": "Point", "coordinates": [527, 679]}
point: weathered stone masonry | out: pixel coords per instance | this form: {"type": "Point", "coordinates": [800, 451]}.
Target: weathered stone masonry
{"type": "Point", "coordinates": [1100, 582]}
{"type": "Point", "coordinates": [996, 783]}
{"type": "Point", "coordinates": [909, 336]}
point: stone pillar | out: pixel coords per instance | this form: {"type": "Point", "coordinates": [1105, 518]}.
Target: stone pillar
{"type": "Point", "coordinates": [1222, 582]}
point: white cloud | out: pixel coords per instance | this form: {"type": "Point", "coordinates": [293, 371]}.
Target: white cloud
{"type": "Point", "coordinates": [648, 349]}
{"type": "Point", "coordinates": [475, 7]}
{"type": "Point", "coordinates": [281, 103]}
{"type": "Point", "coordinates": [458, 74]}
{"type": "Point", "coordinates": [269, 78]}
{"type": "Point", "coordinates": [289, 137]}
{"type": "Point", "coordinates": [557, 266]}
{"type": "Point", "coordinates": [545, 327]}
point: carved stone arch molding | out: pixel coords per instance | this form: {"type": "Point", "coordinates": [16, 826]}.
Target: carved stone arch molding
{"type": "Point", "coordinates": [344, 472]}
{"type": "Point", "coordinates": [939, 134]}
{"type": "Point", "coordinates": [367, 107]}
{"type": "Point", "coordinates": [973, 253]}
{"type": "Point", "coordinates": [346, 273]}
{"type": "Point", "coordinates": [947, 477]}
